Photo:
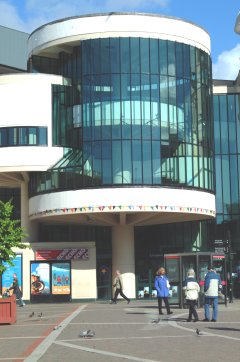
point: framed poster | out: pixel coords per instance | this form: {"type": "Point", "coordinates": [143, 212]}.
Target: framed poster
{"type": "Point", "coordinates": [40, 278]}
{"type": "Point", "coordinates": [7, 276]}
{"type": "Point", "coordinates": [61, 282]}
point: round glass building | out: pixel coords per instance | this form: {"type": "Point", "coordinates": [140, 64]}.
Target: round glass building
{"type": "Point", "coordinates": [122, 138]}
{"type": "Point", "coordinates": [137, 110]}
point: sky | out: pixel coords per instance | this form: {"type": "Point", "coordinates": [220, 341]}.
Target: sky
{"type": "Point", "coordinates": [217, 17]}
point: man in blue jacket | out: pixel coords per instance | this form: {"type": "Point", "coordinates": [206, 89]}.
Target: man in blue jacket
{"type": "Point", "coordinates": [212, 283]}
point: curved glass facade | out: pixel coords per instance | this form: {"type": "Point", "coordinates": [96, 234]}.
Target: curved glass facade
{"type": "Point", "coordinates": [138, 113]}
{"type": "Point", "coordinates": [227, 164]}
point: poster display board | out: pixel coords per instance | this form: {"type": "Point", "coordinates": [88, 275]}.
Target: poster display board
{"type": "Point", "coordinates": [61, 278]}
{"type": "Point", "coordinates": [7, 276]}
{"type": "Point", "coordinates": [50, 281]}
{"type": "Point", "coordinates": [40, 278]}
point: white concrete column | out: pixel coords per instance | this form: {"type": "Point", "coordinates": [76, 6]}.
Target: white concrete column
{"type": "Point", "coordinates": [123, 257]}
{"type": "Point", "coordinates": [29, 227]}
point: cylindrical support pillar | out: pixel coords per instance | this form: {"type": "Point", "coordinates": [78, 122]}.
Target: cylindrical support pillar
{"type": "Point", "coordinates": [123, 257]}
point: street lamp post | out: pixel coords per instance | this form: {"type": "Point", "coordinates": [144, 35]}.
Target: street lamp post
{"type": "Point", "coordinates": [229, 274]}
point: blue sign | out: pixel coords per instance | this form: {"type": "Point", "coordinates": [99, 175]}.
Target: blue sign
{"type": "Point", "coordinates": [7, 276]}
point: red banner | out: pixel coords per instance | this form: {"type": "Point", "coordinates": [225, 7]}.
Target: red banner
{"type": "Point", "coordinates": [62, 254]}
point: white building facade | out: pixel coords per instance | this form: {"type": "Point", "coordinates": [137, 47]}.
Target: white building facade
{"type": "Point", "coordinates": [111, 129]}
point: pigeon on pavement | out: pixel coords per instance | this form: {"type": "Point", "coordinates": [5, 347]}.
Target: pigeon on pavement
{"type": "Point", "coordinates": [198, 332]}
{"type": "Point", "coordinates": [87, 334]}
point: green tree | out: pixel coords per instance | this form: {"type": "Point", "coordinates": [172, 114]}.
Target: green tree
{"type": "Point", "coordinates": [11, 235]}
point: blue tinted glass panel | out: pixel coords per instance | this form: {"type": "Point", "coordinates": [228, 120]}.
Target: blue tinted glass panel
{"type": "Point", "coordinates": [114, 55]}
{"type": "Point", "coordinates": [234, 184]}
{"type": "Point", "coordinates": [232, 124]}
{"type": "Point", "coordinates": [117, 162]}
{"type": "Point", "coordinates": [193, 63]}
{"type": "Point", "coordinates": [186, 61]}
{"type": "Point", "coordinates": [226, 181]}
{"type": "Point", "coordinates": [144, 55]}
{"type": "Point", "coordinates": [163, 57]}
{"type": "Point", "coordinates": [179, 60]}
{"type": "Point", "coordinates": [32, 135]}
{"type": "Point", "coordinates": [135, 55]}
{"type": "Point", "coordinates": [147, 163]}
{"type": "Point", "coordinates": [171, 58]}
{"type": "Point", "coordinates": [219, 180]}
{"type": "Point", "coordinates": [223, 124]}
{"type": "Point", "coordinates": [97, 161]}
{"type": "Point", "coordinates": [12, 136]}
{"type": "Point", "coordinates": [125, 55]}
{"type": "Point", "coordinates": [106, 163]}
{"type": "Point", "coordinates": [127, 162]}
{"type": "Point", "coordinates": [96, 56]}
{"type": "Point", "coordinates": [156, 162]}
{"type": "Point", "coordinates": [216, 125]}
{"type": "Point", "coordinates": [237, 102]}
{"type": "Point", "coordinates": [3, 137]}
{"type": "Point", "coordinates": [22, 132]}
{"type": "Point", "coordinates": [154, 66]}
{"type": "Point", "coordinates": [42, 136]}
{"type": "Point", "coordinates": [137, 162]}
{"type": "Point", "coordinates": [145, 106]}
{"type": "Point", "coordinates": [105, 55]}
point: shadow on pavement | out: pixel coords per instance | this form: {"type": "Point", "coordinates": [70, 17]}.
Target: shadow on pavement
{"type": "Point", "coordinates": [225, 329]}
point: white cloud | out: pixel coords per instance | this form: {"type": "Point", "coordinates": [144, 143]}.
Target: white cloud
{"type": "Point", "coordinates": [136, 4]}
{"type": "Point", "coordinates": [27, 15]}
{"type": "Point", "coordinates": [9, 16]}
{"type": "Point", "coordinates": [228, 64]}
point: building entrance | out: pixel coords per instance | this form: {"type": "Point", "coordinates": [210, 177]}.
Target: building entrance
{"type": "Point", "coordinates": [177, 266]}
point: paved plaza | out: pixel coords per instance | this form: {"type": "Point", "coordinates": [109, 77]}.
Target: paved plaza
{"type": "Point", "coordinates": [51, 332]}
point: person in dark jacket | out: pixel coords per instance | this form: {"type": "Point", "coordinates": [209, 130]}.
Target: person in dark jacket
{"type": "Point", "coordinates": [191, 289]}
{"type": "Point", "coordinates": [212, 284]}
{"type": "Point", "coordinates": [162, 287]}
{"type": "Point", "coordinates": [118, 285]}
{"type": "Point", "coordinates": [16, 290]}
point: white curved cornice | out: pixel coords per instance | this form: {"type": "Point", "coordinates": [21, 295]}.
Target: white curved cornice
{"type": "Point", "coordinates": [132, 206]}
{"type": "Point", "coordinates": [68, 31]}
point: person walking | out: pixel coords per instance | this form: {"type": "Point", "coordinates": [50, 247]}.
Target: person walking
{"type": "Point", "coordinates": [118, 284]}
{"type": "Point", "coordinates": [16, 290]}
{"type": "Point", "coordinates": [162, 286]}
{"type": "Point", "coordinates": [191, 289]}
{"type": "Point", "coordinates": [212, 284]}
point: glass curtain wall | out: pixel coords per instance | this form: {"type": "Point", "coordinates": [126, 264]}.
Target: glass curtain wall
{"type": "Point", "coordinates": [227, 161]}
{"type": "Point", "coordinates": [138, 112]}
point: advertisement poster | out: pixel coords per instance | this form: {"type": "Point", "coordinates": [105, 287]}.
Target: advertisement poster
{"type": "Point", "coordinates": [7, 277]}
{"type": "Point", "coordinates": [61, 278]}
{"type": "Point", "coordinates": [40, 277]}
{"type": "Point", "coordinates": [62, 254]}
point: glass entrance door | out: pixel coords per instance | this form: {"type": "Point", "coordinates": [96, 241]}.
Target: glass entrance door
{"type": "Point", "coordinates": [146, 270]}
{"type": "Point", "coordinates": [104, 279]}
{"type": "Point", "coordinates": [172, 265]}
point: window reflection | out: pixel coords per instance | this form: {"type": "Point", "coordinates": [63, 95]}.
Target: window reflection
{"type": "Point", "coordinates": [23, 136]}
{"type": "Point", "coordinates": [138, 112]}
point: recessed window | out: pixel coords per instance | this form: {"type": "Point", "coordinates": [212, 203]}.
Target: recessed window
{"type": "Point", "coordinates": [23, 136]}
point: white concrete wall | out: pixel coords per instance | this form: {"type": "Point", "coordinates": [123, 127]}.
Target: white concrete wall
{"type": "Point", "coordinates": [118, 25]}
{"type": "Point", "coordinates": [84, 282]}
{"type": "Point", "coordinates": [26, 101]}
{"type": "Point", "coordinates": [145, 196]}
